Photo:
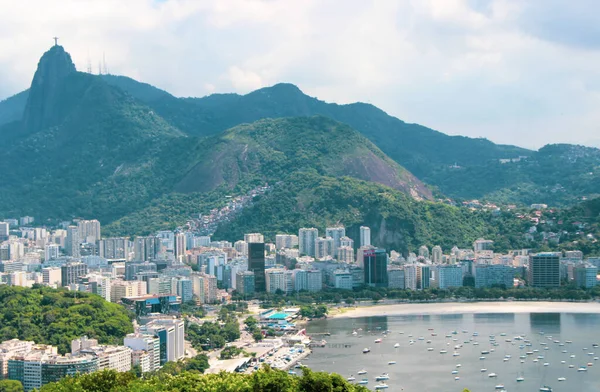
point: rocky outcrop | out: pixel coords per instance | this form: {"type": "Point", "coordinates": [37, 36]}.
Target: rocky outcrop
{"type": "Point", "coordinates": [41, 110]}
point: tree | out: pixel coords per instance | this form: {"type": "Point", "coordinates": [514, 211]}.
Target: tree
{"type": "Point", "coordinates": [198, 363]}
{"type": "Point", "coordinates": [251, 323]}
{"type": "Point", "coordinates": [257, 335]}
{"type": "Point", "coordinates": [11, 386]}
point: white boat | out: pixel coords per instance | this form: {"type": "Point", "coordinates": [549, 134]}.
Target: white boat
{"type": "Point", "coordinates": [381, 386]}
{"type": "Point", "coordinates": [455, 354]}
{"type": "Point", "coordinates": [458, 365]}
{"type": "Point", "coordinates": [562, 379]}
{"type": "Point", "coordinates": [572, 356]}
{"type": "Point", "coordinates": [519, 379]}
{"type": "Point", "coordinates": [382, 377]}
{"type": "Point", "coordinates": [568, 341]}
{"type": "Point", "coordinates": [522, 361]}
{"type": "Point", "coordinates": [456, 378]}
{"type": "Point", "coordinates": [481, 358]}
{"type": "Point", "coordinates": [563, 362]}
{"type": "Point", "coordinates": [396, 345]}
{"type": "Point", "coordinates": [421, 338]}
{"type": "Point", "coordinates": [582, 369]}
{"type": "Point", "coordinates": [571, 366]}
{"type": "Point", "coordinates": [545, 389]}
{"type": "Point", "coordinates": [443, 351]}
{"type": "Point", "coordinates": [391, 362]}
{"type": "Point", "coordinates": [351, 378]}
{"type": "Point", "coordinates": [455, 372]}
{"type": "Point", "coordinates": [590, 364]}
{"type": "Point", "coordinates": [506, 359]}
{"type": "Point", "coordinates": [492, 375]}
{"type": "Point", "coordinates": [500, 386]}
{"type": "Point", "coordinates": [354, 333]}
{"type": "Point", "coordinates": [377, 340]}
{"type": "Point", "coordinates": [429, 348]}
{"type": "Point", "coordinates": [536, 360]}
{"type": "Point", "coordinates": [546, 364]}
{"type": "Point", "coordinates": [595, 358]}
{"type": "Point", "coordinates": [361, 372]}
{"type": "Point", "coordinates": [364, 381]}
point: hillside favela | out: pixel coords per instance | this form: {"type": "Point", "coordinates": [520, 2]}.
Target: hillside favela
{"type": "Point", "coordinates": [220, 196]}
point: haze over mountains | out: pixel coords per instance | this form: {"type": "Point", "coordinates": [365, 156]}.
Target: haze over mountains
{"type": "Point", "coordinates": [107, 146]}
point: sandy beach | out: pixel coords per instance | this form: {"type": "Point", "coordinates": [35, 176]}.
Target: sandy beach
{"type": "Point", "coordinates": [469, 307]}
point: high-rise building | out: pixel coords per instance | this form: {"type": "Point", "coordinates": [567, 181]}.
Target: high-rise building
{"type": "Point", "coordinates": [423, 276]}
{"type": "Point", "coordinates": [183, 288]}
{"type": "Point", "coordinates": [254, 237]}
{"type": "Point", "coordinates": [347, 241]}
{"type": "Point", "coordinates": [52, 276]}
{"type": "Point", "coordinates": [4, 231]}
{"type": "Point", "coordinates": [72, 271]}
{"type": "Point", "coordinates": [449, 275]}
{"type": "Point", "coordinates": [275, 280]}
{"type": "Point", "coordinates": [72, 242]}
{"type": "Point", "coordinates": [171, 333]}
{"type": "Point", "coordinates": [89, 231]}
{"type": "Point", "coordinates": [114, 248]}
{"type": "Point", "coordinates": [306, 241]}
{"type": "Point", "coordinates": [365, 236]}
{"type": "Point", "coordinates": [375, 267]}
{"type": "Point", "coordinates": [544, 270]}
{"type": "Point", "coordinates": [481, 245]}
{"type": "Point", "coordinates": [586, 275]}
{"type": "Point", "coordinates": [51, 252]}
{"type": "Point", "coordinates": [488, 275]}
{"type": "Point", "coordinates": [133, 268]}
{"type": "Point", "coordinates": [180, 245]}
{"type": "Point", "coordinates": [346, 254]}
{"type": "Point", "coordinates": [286, 241]}
{"type": "Point", "coordinates": [342, 279]}
{"type": "Point", "coordinates": [336, 233]}
{"type": "Point", "coordinates": [410, 276]}
{"type": "Point", "coordinates": [145, 343]}
{"type": "Point", "coordinates": [245, 282]}
{"type": "Point", "coordinates": [314, 280]}
{"type": "Point", "coordinates": [324, 247]}
{"type": "Point", "coordinates": [436, 254]}
{"type": "Point", "coordinates": [396, 278]}
{"type": "Point", "coordinates": [256, 264]}
{"type": "Point", "coordinates": [424, 252]}
{"type": "Point", "coordinates": [146, 248]}
{"type": "Point", "coordinates": [241, 247]}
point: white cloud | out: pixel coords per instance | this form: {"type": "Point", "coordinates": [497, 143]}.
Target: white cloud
{"type": "Point", "coordinates": [492, 68]}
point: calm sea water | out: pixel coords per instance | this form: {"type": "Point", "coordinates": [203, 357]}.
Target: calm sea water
{"type": "Point", "coordinates": [418, 369]}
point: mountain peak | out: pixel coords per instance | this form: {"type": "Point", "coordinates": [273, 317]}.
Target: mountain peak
{"type": "Point", "coordinates": [54, 66]}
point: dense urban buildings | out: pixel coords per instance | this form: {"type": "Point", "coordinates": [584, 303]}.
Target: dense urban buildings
{"type": "Point", "coordinates": [544, 270]}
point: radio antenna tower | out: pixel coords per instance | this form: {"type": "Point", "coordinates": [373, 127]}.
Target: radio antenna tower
{"type": "Point", "coordinates": [89, 63]}
{"type": "Point", "coordinates": [104, 71]}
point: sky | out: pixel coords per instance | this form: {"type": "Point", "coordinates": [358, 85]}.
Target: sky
{"type": "Point", "coordinates": [523, 72]}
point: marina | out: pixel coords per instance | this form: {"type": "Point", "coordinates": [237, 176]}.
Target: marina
{"type": "Point", "coordinates": [501, 340]}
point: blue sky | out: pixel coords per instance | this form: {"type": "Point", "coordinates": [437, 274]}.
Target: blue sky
{"type": "Point", "coordinates": [522, 72]}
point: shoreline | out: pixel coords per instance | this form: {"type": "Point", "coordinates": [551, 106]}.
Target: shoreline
{"type": "Point", "coordinates": [401, 309]}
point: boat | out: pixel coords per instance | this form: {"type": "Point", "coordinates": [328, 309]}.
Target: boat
{"type": "Point", "coordinates": [562, 379]}
{"type": "Point", "coordinates": [546, 364]}
{"type": "Point", "coordinates": [382, 377]}
{"type": "Point", "coordinates": [545, 389]}
{"type": "Point", "coordinates": [481, 358]}
{"type": "Point", "coordinates": [381, 386]}
{"type": "Point", "coordinates": [456, 378]}
{"type": "Point", "coordinates": [364, 381]}
{"type": "Point", "coordinates": [568, 341]}
{"type": "Point", "coordinates": [563, 362]}
{"type": "Point", "coordinates": [421, 338]}
{"type": "Point", "coordinates": [351, 378]}
{"type": "Point", "coordinates": [520, 379]}
{"type": "Point", "coordinates": [429, 348]}
{"type": "Point", "coordinates": [458, 365]}
{"type": "Point", "coordinates": [595, 358]}
{"type": "Point", "coordinates": [377, 340]}
{"type": "Point", "coordinates": [483, 370]}
{"type": "Point", "coordinates": [500, 386]}
{"type": "Point", "coordinates": [361, 372]}
{"type": "Point", "coordinates": [366, 350]}
{"type": "Point", "coordinates": [571, 366]}
{"type": "Point", "coordinates": [590, 364]}
{"type": "Point", "coordinates": [443, 351]}
{"type": "Point", "coordinates": [582, 369]}
{"type": "Point", "coordinates": [455, 354]}
{"type": "Point", "coordinates": [572, 356]}
{"type": "Point", "coordinates": [455, 372]}
{"type": "Point", "coordinates": [391, 362]}
{"type": "Point", "coordinates": [396, 345]}
{"type": "Point", "coordinates": [492, 375]}
{"type": "Point", "coordinates": [536, 360]}
{"type": "Point", "coordinates": [485, 352]}
{"type": "Point", "coordinates": [292, 373]}
{"type": "Point", "coordinates": [354, 333]}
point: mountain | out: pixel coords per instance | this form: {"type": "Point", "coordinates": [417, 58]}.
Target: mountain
{"type": "Point", "coordinates": [396, 221]}
{"type": "Point", "coordinates": [89, 146]}
{"type": "Point", "coordinates": [268, 150]}
{"type": "Point", "coordinates": [84, 148]}
{"type": "Point", "coordinates": [11, 109]}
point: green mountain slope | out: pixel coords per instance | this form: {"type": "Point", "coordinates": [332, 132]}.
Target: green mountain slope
{"type": "Point", "coordinates": [12, 108]}
{"type": "Point", "coordinates": [397, 221]}
{"type": "Point", "coordinates": [268, 150]}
